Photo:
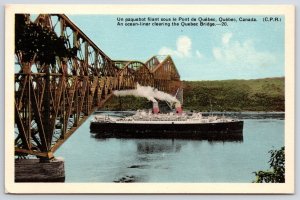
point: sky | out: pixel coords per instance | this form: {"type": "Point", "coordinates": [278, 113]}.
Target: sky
{"type": "Point", "coordinates": [242, 50]}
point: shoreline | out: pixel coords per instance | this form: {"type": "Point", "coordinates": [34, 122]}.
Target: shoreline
{"type": "Point", "coordinates": [214, 112]}
{"type": "Point", "coordinates": [239, 115]}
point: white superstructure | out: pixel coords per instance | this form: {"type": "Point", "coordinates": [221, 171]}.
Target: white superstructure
{"type": "Point", "coordinates": [143, 117]}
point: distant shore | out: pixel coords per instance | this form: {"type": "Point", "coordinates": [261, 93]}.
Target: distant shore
{"type": "Point", "coordinates": [239, 115]}
{"type": "Point", "coordinates": [255, 95]}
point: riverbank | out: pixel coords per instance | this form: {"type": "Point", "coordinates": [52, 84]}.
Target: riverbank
{"type": "Point", "coordinates": [227, 95]}
{"type": "Point", "coordinates": [239, 115]}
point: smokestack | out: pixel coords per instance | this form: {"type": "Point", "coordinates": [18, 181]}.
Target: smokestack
{"type": "Point", "coordinates": [155, 109]}
{"type": "Point", "coordinates": [178, 108]}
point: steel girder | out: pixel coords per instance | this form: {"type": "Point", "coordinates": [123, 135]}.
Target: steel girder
{"type": "Point", "coordinates": [53, 100]}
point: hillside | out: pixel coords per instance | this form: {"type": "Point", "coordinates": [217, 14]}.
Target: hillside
{"type": "Point", "coordinates": [235, 95]}
{"type": "Point", "coordinates": [226, 95]}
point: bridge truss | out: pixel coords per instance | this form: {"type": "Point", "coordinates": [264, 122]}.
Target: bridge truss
{"type": "Point", "coordinates": [56, 91]}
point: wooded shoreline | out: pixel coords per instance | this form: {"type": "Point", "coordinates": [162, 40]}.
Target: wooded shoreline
{"type": "Point", "coordinates": [225, 95]}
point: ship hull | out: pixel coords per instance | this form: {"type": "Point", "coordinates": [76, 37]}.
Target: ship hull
{"type": "Point", "coordinates": [214, 131]}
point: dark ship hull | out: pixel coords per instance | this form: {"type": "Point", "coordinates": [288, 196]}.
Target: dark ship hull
{"type": "Point", "coordinates": [232, 130]}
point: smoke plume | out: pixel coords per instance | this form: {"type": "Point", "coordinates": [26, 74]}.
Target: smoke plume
{"type": "Point", "coordinates": [148, 92]}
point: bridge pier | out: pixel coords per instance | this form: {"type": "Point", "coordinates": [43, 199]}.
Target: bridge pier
{"type": "Point", "coordinates": [39, 170]}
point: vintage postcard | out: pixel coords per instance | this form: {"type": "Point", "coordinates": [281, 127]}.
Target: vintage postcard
{"type": "Point", "coordinates": [190, 99]}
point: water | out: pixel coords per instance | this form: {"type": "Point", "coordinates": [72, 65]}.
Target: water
{"type": "Point", "coordinates": [88, 159]}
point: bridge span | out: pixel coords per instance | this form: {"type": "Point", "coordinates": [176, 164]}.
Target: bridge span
{"type": "Point", "coordinates": [62, 77]}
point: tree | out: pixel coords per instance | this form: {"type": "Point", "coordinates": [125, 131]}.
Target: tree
{"type": "Point", "coordinates": [276, 173]}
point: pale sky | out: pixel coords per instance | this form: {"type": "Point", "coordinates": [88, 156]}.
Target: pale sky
{"type": "Point", "coordinates": [239, 51]}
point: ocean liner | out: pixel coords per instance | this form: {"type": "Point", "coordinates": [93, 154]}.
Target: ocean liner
{"type": "Point", "coordinates": [178, 124]}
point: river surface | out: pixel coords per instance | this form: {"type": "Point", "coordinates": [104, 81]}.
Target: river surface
{"type": "Point", "coordinates": [88, 159]}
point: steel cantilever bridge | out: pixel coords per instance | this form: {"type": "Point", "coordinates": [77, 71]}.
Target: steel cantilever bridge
{"type": "Point", "coordinates": [61, 77]}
